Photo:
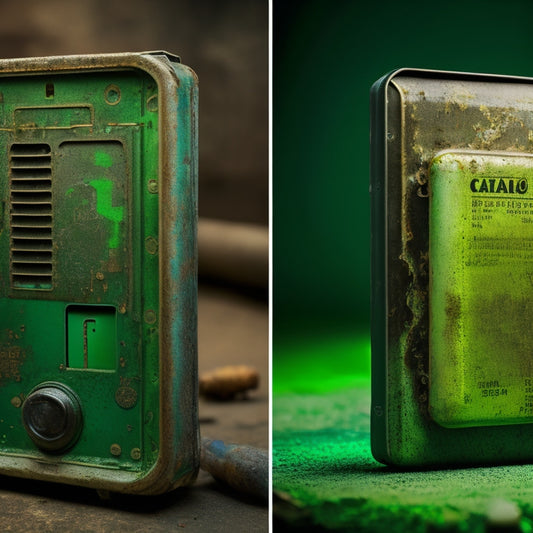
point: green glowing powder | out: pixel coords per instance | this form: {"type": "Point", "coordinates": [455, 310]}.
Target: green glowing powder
{"type": "Point", "coordinates": [324, 475]}
{"type": "Point", "coordinates": [104, 207]}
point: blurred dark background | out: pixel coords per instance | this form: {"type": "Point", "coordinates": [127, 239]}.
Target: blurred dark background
{"type": "Point", "coordinates": [326, 55]}
{"type": "Point", "coordinates": [225, 42]}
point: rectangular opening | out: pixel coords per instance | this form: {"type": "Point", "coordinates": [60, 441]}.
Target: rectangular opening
{"type": "Point", "coordinates": [91, 337]}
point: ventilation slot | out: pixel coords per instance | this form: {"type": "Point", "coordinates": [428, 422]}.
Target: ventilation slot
{"type": "Point", "coordinates": [30, 174]}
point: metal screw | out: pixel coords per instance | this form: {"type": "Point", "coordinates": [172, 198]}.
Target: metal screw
{"type": "Point", "coordinates": [115, 450]}
{"type": "Point", "coordinates": [152, 103]}
{"type": "Point", "coordinates": [151, 245]}
{"type": "Point", "coordinates": [16, 401]}
{"type": "Point", "coordinates": [153, 186]}
{"type": "Point", "coordinates": [136, 454]}
{"type": "Point", "coordinates": [150, 317]}
{"type": "Point", "coordinates": [112, 95]}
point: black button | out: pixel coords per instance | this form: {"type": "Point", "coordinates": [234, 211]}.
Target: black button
{"type": "Point", "coordinates": [52, 417]}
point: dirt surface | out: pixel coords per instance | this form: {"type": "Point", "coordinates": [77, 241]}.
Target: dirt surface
{"type": "Point", "coordinates": [233, 329]}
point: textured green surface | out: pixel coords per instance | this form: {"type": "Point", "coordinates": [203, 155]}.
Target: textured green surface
{"type": "Point", "coordinates": [324, 474]}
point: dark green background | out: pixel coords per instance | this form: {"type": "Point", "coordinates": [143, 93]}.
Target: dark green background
{"type": "Point", "coordinates": [326, 55]}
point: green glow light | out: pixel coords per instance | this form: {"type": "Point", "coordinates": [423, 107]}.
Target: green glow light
{"type": "Point", "coordinates": [321, 365]}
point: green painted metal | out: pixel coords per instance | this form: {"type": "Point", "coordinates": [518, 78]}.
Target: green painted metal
{"type": "Point", "coordinates": [451, 376]}
{"type": "Point", "coordinates": [84, 301]}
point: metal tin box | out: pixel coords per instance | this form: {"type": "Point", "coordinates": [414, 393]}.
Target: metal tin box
{"type": "Point", "coordinates": [452, 246]}
{"type": "Point", "coordinates": [98, 283]}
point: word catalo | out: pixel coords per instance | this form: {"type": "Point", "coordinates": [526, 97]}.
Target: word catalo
{"type": "Point", "coordinates": [499, 185]}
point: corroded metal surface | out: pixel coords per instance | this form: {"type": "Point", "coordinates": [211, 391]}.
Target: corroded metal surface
{"type": "Point", "coordinates": [232, 328]}
{"type": "Point", "coordinates": [98, 285]}
{"type": "Point", "coordinates": [423, 114]}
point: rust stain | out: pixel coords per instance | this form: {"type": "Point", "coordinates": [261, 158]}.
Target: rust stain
{"type": "Point", "coordinates": [453, 313]}
{"type": "Point", "coordinates": [11, 359]}
{"type": "Point", "coordinates": [415, 213]}
{"type": "Point", "coordinates": [453, 307]}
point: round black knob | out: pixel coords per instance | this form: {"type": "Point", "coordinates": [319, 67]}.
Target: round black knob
{"type": "Point", "coordinates": [52, 417]}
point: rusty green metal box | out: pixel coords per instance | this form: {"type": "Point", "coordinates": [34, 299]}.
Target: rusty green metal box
{"type": "Point", "coordinates": [98, 283]}
{"type": "Point", "coordinates": [452, 243]}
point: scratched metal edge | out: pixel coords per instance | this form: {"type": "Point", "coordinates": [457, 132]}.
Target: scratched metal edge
{"type": "Point", "coordinates": [178, 283]}
{"type": "Point", "coordinates": [178, 460]}
{"type": "Point", "coordinates": [378, 174]}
